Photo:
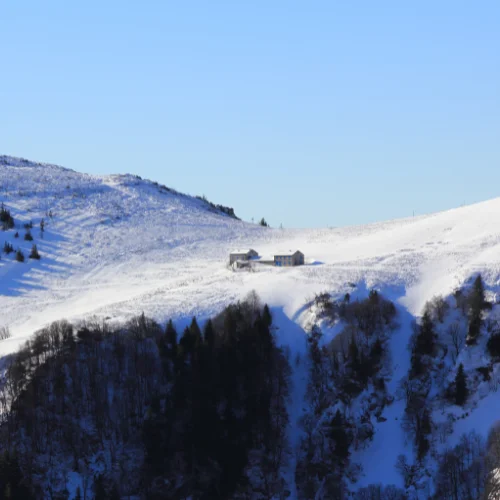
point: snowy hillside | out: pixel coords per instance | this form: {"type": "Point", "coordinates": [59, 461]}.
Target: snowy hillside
{"type": "Point", "coordinates": [116, 246]}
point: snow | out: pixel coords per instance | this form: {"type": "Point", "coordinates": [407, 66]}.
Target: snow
{"type": "Point", "coordinates": [119, 245]}
{"type": "Point", "coordinates": [389, 441]}
{"type": "Point", "coordinates": [241, 251]}
{"type": "Point", "coordinates": [291, 336]}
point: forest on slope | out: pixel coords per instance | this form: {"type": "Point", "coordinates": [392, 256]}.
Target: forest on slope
{"type": "Point", "coordinates": [141, 410]}
{"type": "Point", "coordinates": [132, 411]}
{"type": "Point", "coordinates": [454, 354]}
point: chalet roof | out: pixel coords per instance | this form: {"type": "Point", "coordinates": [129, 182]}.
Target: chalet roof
{"type": "Point", "coordinates": [267, 257]}
{"type": "Point", "coordinates": [286, 253]}
{"type": "Point", "coordinates": [242, 251]}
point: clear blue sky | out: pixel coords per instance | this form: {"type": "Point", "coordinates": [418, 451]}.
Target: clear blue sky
{"type": "Point", "coordinates": [321, 113]}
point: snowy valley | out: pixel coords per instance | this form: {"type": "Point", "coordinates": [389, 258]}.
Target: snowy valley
{"type": "Point", "coordinates": [372, 408]}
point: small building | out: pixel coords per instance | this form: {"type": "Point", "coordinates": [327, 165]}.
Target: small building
{"type": "Point", "coordinates": [242, 255]}
{"type": "Point", "coordinates": [285, 259]}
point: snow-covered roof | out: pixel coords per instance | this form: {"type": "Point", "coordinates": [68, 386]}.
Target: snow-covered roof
{"type": "Point", "coordinates": [268, 257]}
{"type": "Point", "coordinates": [286, 253]}
{"type": "Point", "coordinates": [242, 251]}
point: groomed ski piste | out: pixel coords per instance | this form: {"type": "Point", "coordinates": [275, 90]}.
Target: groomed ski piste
{"type": "Point", "coordinates": [116, 246]}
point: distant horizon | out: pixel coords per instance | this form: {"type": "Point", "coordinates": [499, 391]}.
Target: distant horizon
{"type": "Point", "coordinates": [332, 114]}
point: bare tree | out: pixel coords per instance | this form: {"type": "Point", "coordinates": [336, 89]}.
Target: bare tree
{"type": "Point", "coordinates": [492, 487]}
{"type": "Point", "coordinates": [409, 472]}
{"type": "Point", "coordinates": [437, 308]}
{"type": "Point", "coordinates": [252, 300]}
{"type": "Point", "coordinates": [461, 471]}
{"type": "Point", "coordinates": [457, 336]}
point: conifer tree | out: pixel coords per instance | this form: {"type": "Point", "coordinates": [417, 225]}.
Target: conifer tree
{"type": "Point", "coordinates": [426, 338]}
{"type": "Point", "coordinates": [171, 337]}
{"type": "Point", "coordinates": [8, 248]}
{"type": "Point", "coordinates": [474, 330]}
{"type": "Point", "coordinates": [266, 316]}
{"type": "Point", "coordinates": [340, 438]}
{"type": "Point", "coordinates": [477, 297]}
{"type": "Point", "coordinates": [6, 218]}
{"type": "Point", "coordinates": [19, 255]}
{"type": "Point", "coordinates": [477, 303]}
{"type": "Point", "coordinates": [195, 331]}
{"type": "Point", "coordinates": [34, 253]}
{"type": "Point", "coordinates": [424, 428]}
{"type": "Point", "coordinates": [185, 342]}
{"type": "Point", "coordinates": [317, 383]}
{"type": "Point", "coordinates": [354, 355]}
{"type": "Point", "coordinates": [424, 344]}
{"type": "Point", "coordinates": [209, 334]}
{"type": "Point", "coordinates": [461, 390]}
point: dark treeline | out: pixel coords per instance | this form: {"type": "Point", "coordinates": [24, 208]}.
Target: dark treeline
{"type": "Point", "coordinates": [142, 410]}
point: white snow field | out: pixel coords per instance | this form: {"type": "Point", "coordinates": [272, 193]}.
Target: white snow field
{"type": "Point", "coordinates": [117, 246]}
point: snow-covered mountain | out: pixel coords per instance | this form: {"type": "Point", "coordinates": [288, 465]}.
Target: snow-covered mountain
{"type": "Point", "coordinates": [115, 246]}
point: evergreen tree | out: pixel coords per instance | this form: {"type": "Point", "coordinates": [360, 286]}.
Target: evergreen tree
{"type": "Point", "coordinates": [34, 253]}
{"type": "Point", "coordinates": [424, 428]}
{"type": "Point", "coordinates": [474, 330]}
{"type": "Point", "coordinates": [19, 255]}
{"type": "Point", "coordinates": [28, 236]}
{"type": "Point", "coordinates": [195, 331]}
{"type": "Point", "coordinates": [186, 343]}
{"type": "Point", "coordinates": [191, 338]}
{"type": "Point", "coordinates": [353, 354]}
{"type": "Point", "coordinates": [266, 316]}
{"type": "Point", "coordinates": [461, 390]}
{"type": "Point", "coordinates": [171, 337]}
{"type": "Point", "coordinates": [6, 218]}
{"type": "Point", "coordinates": [477, 297]}
{"type": "Point", "coordinates": [424, 344]}
{"type": "Point", "coordinates": [373, 297]}
{"type": "Point", "coordinates": [263, 222]}
{"type": "Point", "coordinates": [477, 304]}
{"type": "Point", "coordinates": [340, 439]}
{"type": "Point", "coordinates": [209, 335]}
{"type": "Point", "coordinates": [8, 248]}
{"type": "Point", "coordinates": [426, 338]}
{"type": "Point", "coordinates": [317, 388]}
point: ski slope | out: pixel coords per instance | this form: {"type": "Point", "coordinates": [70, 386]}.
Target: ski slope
{"type": "Point", "coordinates": [118, 245]}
